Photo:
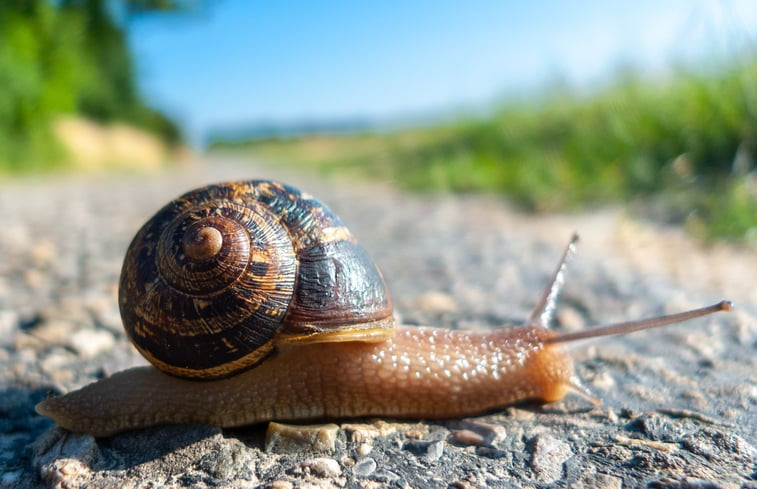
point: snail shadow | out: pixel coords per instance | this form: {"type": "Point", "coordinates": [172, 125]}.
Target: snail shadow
{"type": "Point", "coordinates": [17, 410]}
{"type": "Point", "coordinates": [134, 448]}
{"type": "Point", "coordinates": [123, 451]}
{"type": "Point", "coordinates": [20, 426]}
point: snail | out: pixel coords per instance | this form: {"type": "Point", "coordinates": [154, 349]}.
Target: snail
{"type": "Point", "coordinates": [254, 302]}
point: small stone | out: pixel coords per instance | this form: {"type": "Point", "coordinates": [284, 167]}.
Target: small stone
{"type": "Point", "coordinates": [281, 484]}
{"type": "Point", "coordinates": [360, 433]}
{"type": "Point", "coordinates": [384, 429]}
{"type": "Point", "coordinates": [16, 236]}
{"type": "Point", "coordinates": [461, 484]}
{"type": "Point", "coordinates": [477, 433]}
{"type": "Point", "coordinates": [35, 279]}
{"type": "Point", "coordinates": [429, 450]}
{"type": "Point", "coordinates": [437, 302]}
{"type": "Point", "coordinates": [104, 310]}
{"type": "Point", "coordinates": [386, 476]}
{"type": "Point", "coordinates": [417, 432]}
{"type": "Point", "coordinates": [435, 451]}
{"type": "Point", "coordinates": [691, 483]}
{"type": "Point", "coordinates": [490, 452]}
{"type": "Point", "coordinates": [56, 365]}
{"type": "Point", "coordinates": [64, 459]}
{"type": "Point", "coordinates": [364, 467]}
{"type": "Point", "coordinates": [604, 381]}
{"type": "Point", "coordinates": [612, 416]}
{"type": "Point", "coordinates": [42, 253]}
{"type": "Point", "coordinates": [547, 457]}
{"type": "Point", "coordinates": [467, 437]}
{"type": "Point", "coordinates": [91, 342]}
{"type": "Point", "coordinates": [715, 444]}
{"type": "Point", "coordinates": [8, 324]}
{"type": "Point", "coordinates": [323, 466]}
{"type": "Point", "coordinates": [54, 331]}
{"type": "Point", "coordinates": [284, 438]}
{"type": "Point", "coordinates": [364, 449]}
{"type": "Point", "coordinates": [570, 319]}
{"type": "Point", "coordinates": [591, 479]}
{"type": "Point", "coordinates": [519, 414]}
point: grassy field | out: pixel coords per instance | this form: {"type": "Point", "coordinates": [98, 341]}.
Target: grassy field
{"type": "Point", "coordinates": [686, 143]}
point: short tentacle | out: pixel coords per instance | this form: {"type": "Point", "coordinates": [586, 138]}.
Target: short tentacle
{"type": "Point", "coordinates": [545, 308]}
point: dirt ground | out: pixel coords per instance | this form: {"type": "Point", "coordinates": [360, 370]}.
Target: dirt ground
{"type": "Point", "coordinates": [678, 404]}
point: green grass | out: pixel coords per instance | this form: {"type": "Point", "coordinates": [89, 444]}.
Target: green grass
{"type": "Point", "coordinates": [671, 141]}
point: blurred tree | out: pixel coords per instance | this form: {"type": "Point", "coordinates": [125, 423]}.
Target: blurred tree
{"type": "Point", "coordinates": [146, 6]}
{"type": "Point", "coordinates": [69, 56]}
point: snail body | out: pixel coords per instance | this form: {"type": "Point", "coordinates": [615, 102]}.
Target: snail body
{"type": "Point", "coordinates": [260, 290]}
{"type": "Point", "coordinates": [419, 373]}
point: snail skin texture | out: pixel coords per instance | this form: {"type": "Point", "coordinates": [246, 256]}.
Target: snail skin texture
{"type": "Point", "coordinates": [255, 303]}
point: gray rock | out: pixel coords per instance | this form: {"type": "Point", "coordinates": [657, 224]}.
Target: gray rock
{"type": "Point", "coordinates": [323, 466]}
{"type": "Point", "coordinates": [591, 479]}
{"type": "Point", "coordinates": [429, 450]}
{"type": "Point", "coordinates": [91, 342]}
{"type": "Point", "coordinates": [547, 457]}
{"type": "Point", "coordinates": [364, 467]}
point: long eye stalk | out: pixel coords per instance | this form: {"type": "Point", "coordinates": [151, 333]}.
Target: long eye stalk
{"type": "Point", "coordinates": [631, 326]}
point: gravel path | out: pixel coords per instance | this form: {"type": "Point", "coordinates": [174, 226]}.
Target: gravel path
{"type": "Point", "coordinates": [678, 404]}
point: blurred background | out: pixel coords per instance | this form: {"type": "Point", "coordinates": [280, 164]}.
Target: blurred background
{"type": "Point", "coordinates": [556, 106]}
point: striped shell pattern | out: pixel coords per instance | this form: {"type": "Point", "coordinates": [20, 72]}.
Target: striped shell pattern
{"type": "Point", "coordinates": [220, 276]}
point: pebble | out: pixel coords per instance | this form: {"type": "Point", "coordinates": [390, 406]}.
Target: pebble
{"type": "Point", "coordinates": [65, 459]}
{"type": "Point", "coordinates": [8, 324]}
{"type": "Point", "coordinates": [477, 433]}
{"type": "Point", "coordinates": [467, 437]}
{"type": "Point", "coordinates": [281, 484]}
{"type": "Point", "coordinates": [437, 302]}
{"type": "Point", "coordinates": [591, 479]}
{"type": "Point", "coordinates": [364, 467]}
{"type": "Point", "coordinates": [429, 450]}
{"type": "Point", "coordinates": [547, 457]}
{"type": "Point", "coordinates": [54, 331]}
{"type": "Point", "coordinates": [435, 451]}
{"type": "Point", "coordinates": [364, 449]}
{"type": "Point", "coordinates": [42, 253]}
{"type": "Point", "coordinates": [604, 381]}
{"type": "Point", "coordinates": [91, 342]}
{"type": "Point", "coordinates": [285, 438]}
{"type": "Point", "coordinates": [491, 452]}
{"type": "Point", "coordinates": [386, 476]}
{"type": "Point", "coordinates": [323, 466]}
{"type": "Point", "coordinates": [569, 318]}
{"type": "Point", "coordinates": [715, 444]}
{"type": "Point", "coordinates": [55, 364]}
{"type": "Point", "coordinates": [360, 433]}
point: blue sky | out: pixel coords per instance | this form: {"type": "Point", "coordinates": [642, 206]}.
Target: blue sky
{"type": "Point", "coordinates": [243, 62]}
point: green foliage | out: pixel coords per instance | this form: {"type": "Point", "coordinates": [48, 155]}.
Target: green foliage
{"type": "Point", "coordinates": [58, 58]}
{"type": "Point", "coordinates": [643, 139]}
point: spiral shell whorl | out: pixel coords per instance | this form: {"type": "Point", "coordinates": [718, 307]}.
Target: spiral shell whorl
{"type": "Point", "coordinates": [213, 309]}
{"type": "Point", "coordinates": [211, 280]}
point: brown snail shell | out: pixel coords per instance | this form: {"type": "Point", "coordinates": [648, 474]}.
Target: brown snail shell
{"type": "Point", "coordinates": [220, 275]}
